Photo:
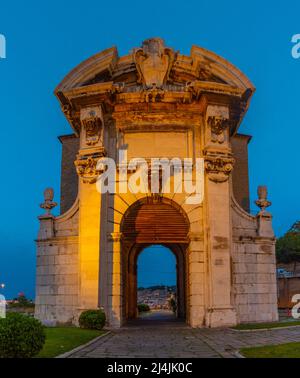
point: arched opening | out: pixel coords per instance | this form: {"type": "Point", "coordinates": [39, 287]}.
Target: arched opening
{"type": "Point", "coordinates": [157, 283]}
{"type": "Point", "coordinates": [152, 222]}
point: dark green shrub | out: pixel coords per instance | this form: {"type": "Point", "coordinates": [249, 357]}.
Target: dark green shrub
{"type": "Point", "coordinates": [92, 319]}
{"type": "Point", "coordinates": [20, 336]}
{"type": "Point", "coordinates": [143, 307]}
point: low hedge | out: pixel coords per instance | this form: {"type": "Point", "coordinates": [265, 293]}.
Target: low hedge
{"type": "Point", "coordinates": [20, 336]}
{"type": "Point", "coordinates": [92, 319]}
{"type": "Point", "coordinates": [143, 307]}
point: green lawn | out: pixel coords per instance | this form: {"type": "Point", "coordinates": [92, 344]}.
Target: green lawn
{"type": "Point", "coordinates": [290, 350]}
{"type": "Point", "coordinates": [63, 339]}
{"type": "Point", "coordinates": [266, 325]}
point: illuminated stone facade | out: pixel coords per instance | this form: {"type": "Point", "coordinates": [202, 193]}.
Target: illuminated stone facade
{"type": "Point", "coordinates": [156, 102]}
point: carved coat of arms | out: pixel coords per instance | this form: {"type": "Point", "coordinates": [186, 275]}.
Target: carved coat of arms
{"type": "Point", "coordinates": [154, 62]}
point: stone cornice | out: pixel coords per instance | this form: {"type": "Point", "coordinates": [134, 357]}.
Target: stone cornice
{"type": "Point", "coordinates": [137, 94]}
{"type": "Point", "coordinates": [103, 61]}
{"type": "Point", "coordinates": [152, 74]}
{"type": "Point", "coordinates": [88, 90]}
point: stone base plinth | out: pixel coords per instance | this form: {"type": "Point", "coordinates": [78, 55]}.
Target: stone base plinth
{"type": "Point", "coordinates": [221, 317]}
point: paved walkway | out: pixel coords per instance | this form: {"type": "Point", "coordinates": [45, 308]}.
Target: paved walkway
{"type": "Point", "coordinates": [167, 338]}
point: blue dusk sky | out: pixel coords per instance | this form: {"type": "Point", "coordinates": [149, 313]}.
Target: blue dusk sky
{"type": "Point", "coordinates": [156, 266]}
{"type": "Point", "coordinates": [45, 40]}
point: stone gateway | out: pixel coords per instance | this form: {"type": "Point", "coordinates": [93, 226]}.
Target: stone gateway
{"type": "Point", "coordinates": [154, 103]}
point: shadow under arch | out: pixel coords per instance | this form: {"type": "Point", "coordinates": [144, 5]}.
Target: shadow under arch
{"type": "Point", "coordinates": [147, 222]}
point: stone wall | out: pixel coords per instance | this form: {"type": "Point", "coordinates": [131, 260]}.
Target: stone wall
{"type": "Point", "coordinates": [240, 175]}
{"type": "Point", "coordinates": [57, 283]}
{"type": "Point", "coordinates": [253, 268]}
{"type": "Point", "coordinates": [69, 178]}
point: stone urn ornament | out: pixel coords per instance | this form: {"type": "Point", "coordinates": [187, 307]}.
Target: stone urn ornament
{"type": "Point", "coordinates": [262, 201]}
{"type": "Point", "coordinates": [48, 203]}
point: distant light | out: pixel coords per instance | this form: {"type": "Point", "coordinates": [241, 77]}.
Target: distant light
{"type": "Point", "coordinates": [2, 286]}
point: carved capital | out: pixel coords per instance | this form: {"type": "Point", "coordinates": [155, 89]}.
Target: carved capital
{"type": "Point", "coordinates": [219, 166]}
{"type": "Point", "coordinates": [218, 125]}
{"type": "Point", "coordinates": [86, 167]}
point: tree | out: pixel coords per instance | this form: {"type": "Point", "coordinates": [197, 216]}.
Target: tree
{"type": "Point", "coordinates": [295, 228]}
{"type": "Point", "coordinates": [288, 246]}
{"type": "Point", "coordinates": [22, 301]}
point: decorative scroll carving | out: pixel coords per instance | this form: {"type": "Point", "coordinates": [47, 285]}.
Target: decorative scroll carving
{"type": "Point", "coordinates": [92, 127]}
{"type": "Point", "coordinates": [218, 125]}
{"type": "Point", "coordinates": [92, 121]}
{"type": "Point", "coordinates": [218, 167]}
{"type": "Point", "coordinates": [68, 111]}
{"type": "Point", "coordinates": [86, 167]}
{"type": "Point", "coordinates": [154, 62]}
{"type": "Point", "coordinates": [71, 116]}
{"type": "Point", "coordinates": [48, 203]}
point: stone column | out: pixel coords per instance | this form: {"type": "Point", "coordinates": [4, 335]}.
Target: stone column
{"type": "Point", "coordinates": [115, 307]}
{"type": "Point", "coordinates": [218, 166]}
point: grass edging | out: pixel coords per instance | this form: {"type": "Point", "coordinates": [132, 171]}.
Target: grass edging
{"type": "Point", "coordinates": [67, 354]}
{"type": "Point", "coordinates": [264, 329]}
{"type": "Point", "coordinates": [283, 350]}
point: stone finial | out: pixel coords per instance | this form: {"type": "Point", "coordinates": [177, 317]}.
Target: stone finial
{"type": "Point", "coordinates": [262, 201]}
{"type": "Point", "coordinates": [48, 203]}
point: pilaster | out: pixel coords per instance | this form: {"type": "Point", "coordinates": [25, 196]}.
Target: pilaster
{"type": "Point", "coordinates": [91, 149]}
{"type": "Point", "coordinates": [218, 166]}
{"type": "Point", "coordinates": [115, 300]}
